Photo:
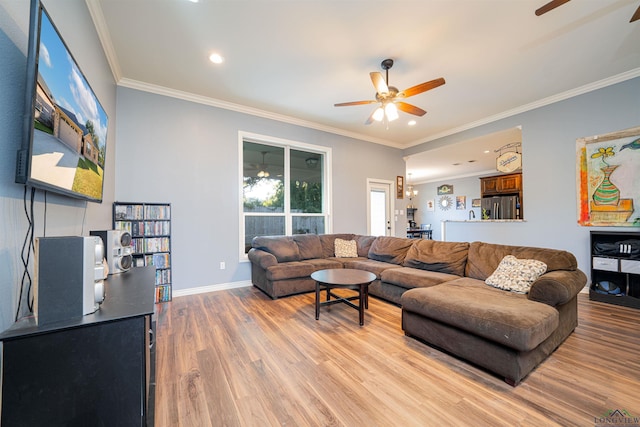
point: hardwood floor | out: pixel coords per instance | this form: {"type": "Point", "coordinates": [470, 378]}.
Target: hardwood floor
{"type": "Point", "coordinates": [238, 358]}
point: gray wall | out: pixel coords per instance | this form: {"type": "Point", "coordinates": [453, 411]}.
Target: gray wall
{"type": "Point", "coordinates": [65, 216]}
{"type": "Point", "coordinates": [184, 153]}
{"type": "Point", "coordinates": [187, 154]}
{"type": "Point", "coordinates": [468, 187]}
{"type": "Point", "coordinates": [549, 168]}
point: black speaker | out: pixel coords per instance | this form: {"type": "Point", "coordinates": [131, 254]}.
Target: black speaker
{"type": "Point", "coordinates": [69, 277]}
{"type": "Point", "coordinates": [118, 248]}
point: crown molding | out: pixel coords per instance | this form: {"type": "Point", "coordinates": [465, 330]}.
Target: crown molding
{"type": "Point", "coordinates": [200, 99]}
{"type": "Point", "coordinates": [628, 75]}
{"type": "Point", "coordinates": [95, 10]}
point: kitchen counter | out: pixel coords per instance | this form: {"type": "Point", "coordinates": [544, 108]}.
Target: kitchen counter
{"type": "Point", "coordinates": [443, 224]}
{"type": "Point", "coordinates": [483, 220]}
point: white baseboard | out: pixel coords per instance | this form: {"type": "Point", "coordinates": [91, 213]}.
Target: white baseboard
{"type": "Point", "coordinates": [211, 288]}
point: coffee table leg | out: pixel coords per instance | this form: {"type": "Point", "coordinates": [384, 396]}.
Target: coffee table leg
{"type": "Point", "coordinates": [366, 296]}
{"type": "Point", "coordinates": [361, 304]}
{"type": "Point", "coordinates": [317, 300]}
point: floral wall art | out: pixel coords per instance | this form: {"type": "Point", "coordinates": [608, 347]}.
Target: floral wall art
{"type": "Point", "coordinates": [609, 179]}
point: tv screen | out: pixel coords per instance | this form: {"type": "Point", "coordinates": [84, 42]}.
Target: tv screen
{"type": "Point", "coordinates": [65, 126]}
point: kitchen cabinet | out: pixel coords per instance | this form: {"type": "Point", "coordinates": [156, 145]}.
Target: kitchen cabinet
{"type": "Point", "coordinates": [501, 184]}
{"type": "Point", "coordinates": [504, 191]}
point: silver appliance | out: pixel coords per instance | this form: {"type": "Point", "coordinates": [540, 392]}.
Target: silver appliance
{"type": "Point", "coordinates": [500, 207]}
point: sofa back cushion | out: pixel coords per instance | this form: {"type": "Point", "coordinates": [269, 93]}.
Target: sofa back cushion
{"type": "Point", "coordinates": [484, 258]}
{"type": "Point", "coordinates": [364, 244]}
{"type": "Point", "coordinates": [284, 248]}
{"type": "Point", "coordinates": [309, 245]}
{"type": "Point", "coordinates": [443, 257]}
{"type": "Point", "coordinates": [328, 243]}
{"type": "Point", "coordinates": [389, 249]}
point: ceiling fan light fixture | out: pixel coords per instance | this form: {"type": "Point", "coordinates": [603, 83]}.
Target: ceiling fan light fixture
{"type": "Point", "coordinates": [262, 172]}
{"type": "Point", "coordinates": [378, 115]}
{"type": "Point", "coordinates": [391, 111]}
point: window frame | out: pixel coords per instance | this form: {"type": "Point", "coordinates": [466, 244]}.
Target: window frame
{"type": "Point", "coordinates": [287, 145]}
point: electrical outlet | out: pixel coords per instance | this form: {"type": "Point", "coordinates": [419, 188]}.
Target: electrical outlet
{"type": "Point", "coordinates": [222, 265]}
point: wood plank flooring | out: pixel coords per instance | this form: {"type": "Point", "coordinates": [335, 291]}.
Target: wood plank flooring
{"type": "Point", "coordinates": [238, 358]}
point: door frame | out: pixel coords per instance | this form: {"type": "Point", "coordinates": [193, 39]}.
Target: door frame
{"type": "Point", "coordinates": [375, 182]}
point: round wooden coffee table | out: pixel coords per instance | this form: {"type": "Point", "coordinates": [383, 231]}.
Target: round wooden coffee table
{"type": "Point", "coordinates": [344, 278]}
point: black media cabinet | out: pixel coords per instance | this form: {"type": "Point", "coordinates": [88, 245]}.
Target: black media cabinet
{"type": "Point", "coordinates": [618, 267]}
{"type": "Point", "coordinates": [94, 370]}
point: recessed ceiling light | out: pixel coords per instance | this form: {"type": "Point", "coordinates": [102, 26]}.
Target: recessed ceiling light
{"type": "Point", "coordinates": [216, 58]}
{"type": "Point", "coordinates": [412, 123]}
{"type": "Point", "coordinates": [487, 151]}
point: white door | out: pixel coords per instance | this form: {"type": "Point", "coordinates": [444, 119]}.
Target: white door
{"type": "Point", "coordinates": [380, 207]}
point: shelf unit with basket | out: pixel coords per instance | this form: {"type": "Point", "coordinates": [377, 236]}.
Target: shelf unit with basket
{"type": "Point", "coordinates": [615, 268]}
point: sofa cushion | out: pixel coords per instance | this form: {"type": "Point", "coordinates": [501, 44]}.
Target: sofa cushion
{"type": "Point", "coordinates": [375, 267]}
{"type": "Point", "coordinates": [309, 245]}
{"type": "Point", "coordinates": [328, 243]}
{"type": "Point", "coordinates": [364, 244]}
{"type": "Point", "coordinates": [323, 263]}
{"type": "Point", "coordinates": [444, 257]}
{"type": "Point", "coordinates": [516, 275]}
{"type": "Point", "coordinates": [345, 248]}
{"type": "Point", "coordinates": [504, 317]}
{"type": "Point", "coordinates": [484, 258]}
{"type": "Point", "coordinates": [390, 249]}
{"type": "Point", "coordinates": [282, 247]}
{"type": "Point", "coordinates": [290, 270]}
{"type": "Point", "coordinates": [409, 278]}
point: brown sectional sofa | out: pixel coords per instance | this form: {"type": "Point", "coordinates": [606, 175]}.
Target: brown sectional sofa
{"type": "Point", "coordinates": [440, 286]}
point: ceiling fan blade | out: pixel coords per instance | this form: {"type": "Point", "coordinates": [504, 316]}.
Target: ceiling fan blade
{"type": "Point", "coordinates": [636, 15]}
{"type": "Point", "coordinates": [347, 104]}
{"type": "Point", "coordinates": [370, 119]}
{"type": "Point", "coordinates": [411, 109]}
{"type": "Point", "coordinates": [422, 87]}
{"type": "Point", "coordinates": [550, 6]}
{"type": "Point", "coordinates": [378, 82]}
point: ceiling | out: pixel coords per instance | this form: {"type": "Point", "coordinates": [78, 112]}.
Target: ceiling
{"type": "Point", "coordinates": [291, 60]}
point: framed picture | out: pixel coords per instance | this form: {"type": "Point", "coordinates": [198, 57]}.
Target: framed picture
{"type": "Point", "coordinates": [476, 203]}
{"type": "Point", "coordinates": [399, 187]}
{"type": "Point", "coordinates": [461, 202]}
{"type": "Point", "coordinates": [445, 189]}
{"type": "Point", "coordinates": [608, 179]}
{"type": "Point", "coordinates": [431, 205]}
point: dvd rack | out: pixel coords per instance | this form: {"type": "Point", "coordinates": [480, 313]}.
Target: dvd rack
{"type": "Point", "coordinates": [150, 227]}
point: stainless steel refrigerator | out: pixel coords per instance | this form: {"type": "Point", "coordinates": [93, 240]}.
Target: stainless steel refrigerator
{"type": "Point", "coordinates": [501, 207]}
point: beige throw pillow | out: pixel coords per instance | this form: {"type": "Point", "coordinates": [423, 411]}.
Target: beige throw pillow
{"type": "Point", "coordinates": [345, 248]}
{"type": "Point", "coordinates": [516, 275]}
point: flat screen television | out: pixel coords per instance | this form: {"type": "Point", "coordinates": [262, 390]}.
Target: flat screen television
{"type": "Point", "coordinates": [65, 126]}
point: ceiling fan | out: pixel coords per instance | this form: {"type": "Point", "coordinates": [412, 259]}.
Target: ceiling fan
{"type": "Point", "coordinates": [261, 168]}
{"type": "Point", "coordinates": [556, 3]}
{"type": "Point", "coordinates": [390, 98]}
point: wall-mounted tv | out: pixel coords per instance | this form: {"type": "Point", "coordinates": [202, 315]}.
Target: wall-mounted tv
{"type": "Point", "coordinates": [65, 127]}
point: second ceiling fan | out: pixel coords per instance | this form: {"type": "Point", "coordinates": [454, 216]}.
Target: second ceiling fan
{"type": "Point", "coordinates": [556, 3]}
{"type": "Point", "coordinates": [390, 98]}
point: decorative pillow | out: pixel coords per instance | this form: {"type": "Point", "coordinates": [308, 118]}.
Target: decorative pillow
{"type": "Point", "coordinates": [516, 275]}
{"type": "Point", "coordinates": [345, 248]}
